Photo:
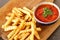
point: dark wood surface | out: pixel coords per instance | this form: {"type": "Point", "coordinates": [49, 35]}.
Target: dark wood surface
{"type": "Point", "coordinates": [55, 35]}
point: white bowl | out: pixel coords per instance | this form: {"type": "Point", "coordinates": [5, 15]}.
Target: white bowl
{"type": "Point", "coordinates": [50, 4]}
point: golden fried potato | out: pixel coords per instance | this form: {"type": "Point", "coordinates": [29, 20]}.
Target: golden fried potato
{"type": "Point", "coordinates": [22, 24]}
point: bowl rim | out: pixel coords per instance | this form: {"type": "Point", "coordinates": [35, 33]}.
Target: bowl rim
{"type": "Point", "coordinates": [50, 4]}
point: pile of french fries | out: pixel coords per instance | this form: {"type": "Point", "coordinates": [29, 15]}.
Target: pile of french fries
{"type": "Point", "coordinates": [22, 25]}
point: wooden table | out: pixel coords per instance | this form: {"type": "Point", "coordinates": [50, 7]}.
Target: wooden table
{"type": "Point", "coordinates": [56, 34]}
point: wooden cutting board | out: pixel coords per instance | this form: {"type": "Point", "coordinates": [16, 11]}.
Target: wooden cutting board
{"type": "Point", "coordinates": [47, 30]}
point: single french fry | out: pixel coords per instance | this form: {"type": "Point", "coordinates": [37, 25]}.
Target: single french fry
{"type": "Point", "coordinates": [10, 34]}
{"type": "Point", "coordinates": [10, 28]}
{"type": "Point", "coordinates": [32, 33]}
{"type": "Point", "coordinates": [33, 9]}
{"type": "Point", "coordinates": [37, 35]}
{"type": "Point", "coordinates": [38, 29]}
{"type": "Point", "coordinates": [32, 37]}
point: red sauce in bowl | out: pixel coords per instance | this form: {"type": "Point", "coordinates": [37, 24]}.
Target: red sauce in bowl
{"type": "Point", "coordinates": [49, 18]}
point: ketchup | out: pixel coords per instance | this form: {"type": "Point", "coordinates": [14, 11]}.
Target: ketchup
{"type": "Point", "coordinates": [46, 13]}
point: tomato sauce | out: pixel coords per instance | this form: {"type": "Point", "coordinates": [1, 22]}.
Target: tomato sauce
{"type": "Point", "coordinates": [39, 13]}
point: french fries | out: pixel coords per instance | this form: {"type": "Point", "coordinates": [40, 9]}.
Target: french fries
{"type": "Point", "coordinates": [22, 24]}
